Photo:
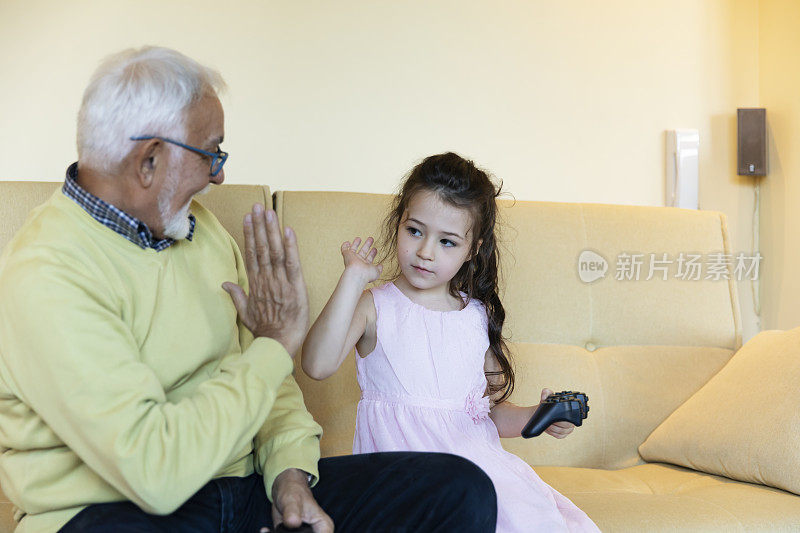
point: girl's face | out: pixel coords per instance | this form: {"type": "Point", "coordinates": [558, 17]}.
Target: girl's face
{"type": "Point", "coordinates": [433, 241]}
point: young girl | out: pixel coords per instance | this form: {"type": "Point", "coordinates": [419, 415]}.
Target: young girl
{"type": "Point", "coordinates": [432, 365]}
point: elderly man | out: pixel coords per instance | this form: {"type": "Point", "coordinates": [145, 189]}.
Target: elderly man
{"type": "Point", "coordinates": [141, 389]}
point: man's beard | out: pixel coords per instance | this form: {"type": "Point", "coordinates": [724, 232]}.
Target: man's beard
{"type": "Point", "coordinates": [176, 226]}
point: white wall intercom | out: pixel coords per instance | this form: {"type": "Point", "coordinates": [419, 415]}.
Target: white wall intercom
{"type": "Point", "coordinates": [683, 147]}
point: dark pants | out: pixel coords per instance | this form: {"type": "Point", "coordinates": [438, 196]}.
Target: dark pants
{"type": "Point", "coordinates": [393, 492]}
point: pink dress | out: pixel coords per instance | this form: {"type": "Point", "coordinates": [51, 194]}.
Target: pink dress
{"type": "Point", "coordinates": [422, 390]}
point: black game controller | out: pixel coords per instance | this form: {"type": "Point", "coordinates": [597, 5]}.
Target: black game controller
{"type": "Point", "coordinates": [565, 406]}
{"type": "Point", "coordinates": [304, 528]}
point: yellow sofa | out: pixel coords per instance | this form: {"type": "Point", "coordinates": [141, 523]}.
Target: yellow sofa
{"type": "Point", "coordinates": [639, 349]}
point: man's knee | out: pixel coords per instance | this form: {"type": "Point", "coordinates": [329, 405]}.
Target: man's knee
{"type": "Point", "coordinates": [469, 490]}
{"type": "Point", "coordinates": [470, 476]}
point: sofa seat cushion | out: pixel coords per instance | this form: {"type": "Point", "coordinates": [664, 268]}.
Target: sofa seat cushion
{"type": "Point", "coordinates": [659, 497]}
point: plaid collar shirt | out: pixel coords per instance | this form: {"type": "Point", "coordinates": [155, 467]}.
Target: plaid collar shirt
{"type": "Point", "coordinates": [114, 218]}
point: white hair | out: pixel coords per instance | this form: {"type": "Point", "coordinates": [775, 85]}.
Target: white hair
{"type": "Point", "coordinates": [143, 91]}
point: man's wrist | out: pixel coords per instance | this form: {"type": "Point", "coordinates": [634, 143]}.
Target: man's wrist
{"type": "Point", "coordinates": [291, 475]}
{"type": "Point", "coordinates": [295, 475]}
{"type": "Point", "coordinates": [289, 344]}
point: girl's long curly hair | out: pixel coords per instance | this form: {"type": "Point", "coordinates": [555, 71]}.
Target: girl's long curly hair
{"type": "Point", "coordinates": [458, 182]}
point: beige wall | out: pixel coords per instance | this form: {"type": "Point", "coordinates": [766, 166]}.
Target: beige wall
{"type": "Point", "coordinates": [565, 101]}
{"type": "Point", "coordinates": [779, 76]}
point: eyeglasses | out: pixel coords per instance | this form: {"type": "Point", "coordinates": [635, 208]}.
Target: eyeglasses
{"type": "Point", "coordinates": [218, 158]}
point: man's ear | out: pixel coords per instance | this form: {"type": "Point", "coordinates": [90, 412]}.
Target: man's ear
{"type": "Point", "coordinates": [147, 160]}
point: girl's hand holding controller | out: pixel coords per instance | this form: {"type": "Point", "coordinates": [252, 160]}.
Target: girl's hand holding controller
{"type": "Point", "coordinates": [558, 430]}
{"type": "Point", "coordinates": [358, 260]}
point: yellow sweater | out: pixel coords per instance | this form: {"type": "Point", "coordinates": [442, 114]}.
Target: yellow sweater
{"type": "Point", "coordinates": [124, 374]}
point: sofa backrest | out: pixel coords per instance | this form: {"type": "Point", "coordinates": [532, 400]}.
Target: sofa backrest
{"type": "Point", "coordinates": [637, 348]}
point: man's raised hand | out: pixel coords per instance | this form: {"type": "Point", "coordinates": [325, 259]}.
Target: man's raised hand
{"type": "Point", "coordinates": [277, 303]}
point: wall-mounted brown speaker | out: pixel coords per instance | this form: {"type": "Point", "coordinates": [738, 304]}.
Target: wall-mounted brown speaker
{"type": "Point", "coordinates": [752, 141]}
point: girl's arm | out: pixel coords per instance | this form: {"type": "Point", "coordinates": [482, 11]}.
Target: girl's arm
{"type": "Point", "coordinates": [343, 321]}
{"type": "Point", "coordinates": [510, 419]}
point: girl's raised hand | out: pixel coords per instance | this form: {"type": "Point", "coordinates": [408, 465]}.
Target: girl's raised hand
{"type": "Point", "coordinates": [359, 259]}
